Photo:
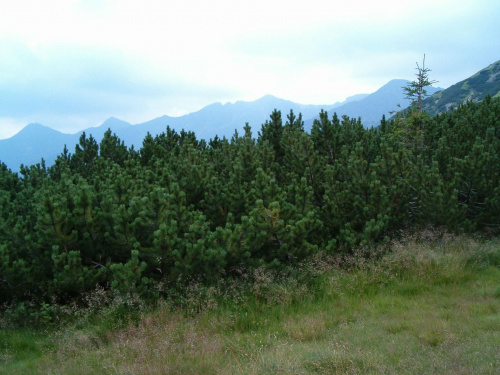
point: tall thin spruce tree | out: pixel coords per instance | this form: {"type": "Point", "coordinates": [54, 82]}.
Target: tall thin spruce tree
{"type": "Point", "coordinates": [416, 90]}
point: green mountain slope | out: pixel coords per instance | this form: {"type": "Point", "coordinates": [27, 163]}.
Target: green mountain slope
{"type": "Point", "coordinates": [474, 88]}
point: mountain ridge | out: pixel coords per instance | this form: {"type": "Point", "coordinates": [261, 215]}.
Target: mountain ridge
{"type": "Point", "coordinates": [221, 119]}
{"type": "Point", "coordinates": [214, 119]}
{"type": "Point", "coordinates": [475, 88]}
{"type": "Point", "coordinates": [372, 107]}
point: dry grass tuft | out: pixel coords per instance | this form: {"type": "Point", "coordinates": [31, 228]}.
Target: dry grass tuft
{"type": "Point", "coordinates": [308, 328]}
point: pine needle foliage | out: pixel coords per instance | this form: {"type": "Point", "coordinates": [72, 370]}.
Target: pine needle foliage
{"type": "Point", "coordinates": [137, 223]}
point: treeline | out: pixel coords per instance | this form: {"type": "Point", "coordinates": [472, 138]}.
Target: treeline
{"type": "Point", "coordinates": [137, 221]}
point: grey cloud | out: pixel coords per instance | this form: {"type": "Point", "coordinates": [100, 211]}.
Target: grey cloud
{"type": "Point", "coordinates": [71, 88]}
{"type": "Point", "coordinates": [455, 43]}
{"type": "Point", "coordinates": [73, 80]}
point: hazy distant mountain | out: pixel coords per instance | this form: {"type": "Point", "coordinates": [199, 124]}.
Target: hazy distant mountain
{"type": "Point", "coordinates": [371, 107]}
{"type": "Point", "coordinates": [222, 119]}
{"type": "Point", "coordinates": [475, 88]}
{"type": "Point", "coordinates": [36, 141]}
{"type": "Point", "coordinates": [116, 125]}
{"type": "Point", "coordinates": [353, 98]}
{"type": "Point", "coordinates": [32, 143]}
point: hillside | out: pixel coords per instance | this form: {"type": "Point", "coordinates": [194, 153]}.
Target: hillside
{"type": "Point", "coordinates": [475, 88]}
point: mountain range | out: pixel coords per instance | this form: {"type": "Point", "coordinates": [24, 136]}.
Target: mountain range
{"type": "Point", "coordinates": [36, 141]}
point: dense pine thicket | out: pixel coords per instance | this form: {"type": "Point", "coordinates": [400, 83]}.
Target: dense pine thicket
{"type": "Point", "coordinates": [137, 221]}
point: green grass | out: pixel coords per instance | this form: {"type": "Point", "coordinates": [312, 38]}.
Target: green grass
{"type": "Point", "coordinates": [423, 307]}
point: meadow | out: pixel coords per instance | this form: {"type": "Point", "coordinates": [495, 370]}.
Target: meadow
{"type": "Point", "coordinates": [427, 303]}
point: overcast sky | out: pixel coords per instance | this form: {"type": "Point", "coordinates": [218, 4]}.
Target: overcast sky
{"type": "Point", "coordinates": [71, 64]}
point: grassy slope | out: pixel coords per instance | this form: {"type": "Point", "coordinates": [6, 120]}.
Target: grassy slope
{"type": "Point", "coordinates": [475, 88]}
{"type": "Point", "coordinates": [419, 309]}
